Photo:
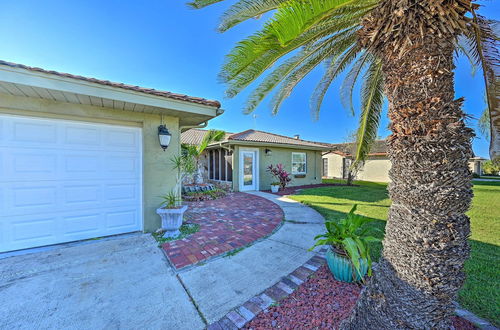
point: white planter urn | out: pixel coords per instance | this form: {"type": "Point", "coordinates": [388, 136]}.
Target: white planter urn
{"type": "Point", "coordinates": [171, 220]}
{"type": "Point", "coordinates": [275, 188]}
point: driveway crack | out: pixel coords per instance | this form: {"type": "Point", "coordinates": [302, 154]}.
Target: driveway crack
{"type": "Point", "coordinates": [192, 300]}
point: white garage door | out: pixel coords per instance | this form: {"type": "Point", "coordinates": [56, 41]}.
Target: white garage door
{"type": "Point", "coordinates": [63, 181]}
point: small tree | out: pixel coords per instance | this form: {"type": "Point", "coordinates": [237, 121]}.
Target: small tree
{"type": "Point", "coordinates": [185, 166]}
{"type": "Point", "coordinates": [280, 174]}
{"type": "Point", "coordinates": [491, 167]}
{"type": "Point", "coordinates": [195, 152]}
{"type": "Point", "coordinates": [354, 166]}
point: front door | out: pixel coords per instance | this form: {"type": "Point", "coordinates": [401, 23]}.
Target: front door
{"type": "Point", "coordinates": [248, 170]}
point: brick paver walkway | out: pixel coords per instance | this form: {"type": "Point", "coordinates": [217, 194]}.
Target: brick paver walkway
{"type": "Point", "coordinates": [225, 224]}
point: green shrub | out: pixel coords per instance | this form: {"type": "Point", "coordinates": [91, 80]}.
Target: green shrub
{"type": "Point", "coordinates": [351, 237]}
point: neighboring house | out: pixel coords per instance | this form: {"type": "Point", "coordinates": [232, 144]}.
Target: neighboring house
{"type": "Point", "coordinates": [240, 160]}
{"type": "Point", "coordinates": [476, 165]}
{"type": "Point", "coordinates": [375, 168]}
{"type": "Point", "coordinates": [80, 158]}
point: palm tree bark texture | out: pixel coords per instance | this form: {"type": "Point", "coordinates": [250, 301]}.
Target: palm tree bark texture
{"type": "Point", "coordinates": [425, 245]}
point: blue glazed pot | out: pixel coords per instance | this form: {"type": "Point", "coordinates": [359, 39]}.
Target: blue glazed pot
{"type": "Point", "coordinates": [342, 268]}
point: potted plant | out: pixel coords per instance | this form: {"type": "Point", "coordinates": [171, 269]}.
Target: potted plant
{"type": "Point", "coordinates": [275, 187]}
{"type": "Point", "coordinates": [279, 173]}
{"type": "Point", "coordinates": [171, 214]}
{"type": "Point", "coordinates": [348, 256]}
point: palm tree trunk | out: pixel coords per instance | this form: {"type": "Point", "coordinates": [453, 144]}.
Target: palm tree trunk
{"type": "Point", "coordinates": [425, 245]}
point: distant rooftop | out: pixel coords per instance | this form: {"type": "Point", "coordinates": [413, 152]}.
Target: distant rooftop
{"type": "Point", "coordinates": [195, 136]}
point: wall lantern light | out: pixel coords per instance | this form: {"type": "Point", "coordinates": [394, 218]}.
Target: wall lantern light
{"type": "Point", "coordinates": [164, 136]}
{"type": "Point", "coordinates": [268, 152]}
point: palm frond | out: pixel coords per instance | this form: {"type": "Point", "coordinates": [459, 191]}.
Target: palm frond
{"type": "Point", "coordinates": [485, 44]}
{"type": "Point", "coordinates": [298, 74]}
{"type": "Point", "coordinates": [210, 137]}
{"type": "Point", "coordinates": [335, 67]}
{"type": "Point", "coordinates": [197, 4]}
{"type": "Point", "coordinates": [254, 55]}
{"type": "Point", "coordinates": [349, 82]}
{"type": "Point", "coordinates": [292, 20]}
{"type": "Point", "coordinates": [372, 98]}
{"type": "Point", "coordinates": [462, 46]}
{"type": "Point", "coordinates": [282, 71]}
{"type": "Point", "coordinates": [244, 10]}
{"type": "Point", "coordinates": [484, 123]}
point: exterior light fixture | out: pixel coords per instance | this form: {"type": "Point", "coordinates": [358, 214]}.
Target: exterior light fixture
{"type": "Point", "coordinates": [164, 136]}
{"type": "Point", "coordinates": [268, 152]}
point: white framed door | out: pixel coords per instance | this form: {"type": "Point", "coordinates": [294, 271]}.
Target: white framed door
{"type": "Point", "coordinates": [249, 169]}
{"type": "Point", "coordinates": [63, 181]}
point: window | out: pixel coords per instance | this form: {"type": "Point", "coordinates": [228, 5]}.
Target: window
{"type": "Point", "coordinates": [325, 166]}
{"type": "Point", "coordinates": [299, 163]}
{"type": "Point", "coordinates": [220, 165]}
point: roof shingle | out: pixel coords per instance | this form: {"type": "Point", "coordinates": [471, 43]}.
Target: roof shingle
{"type": "Point", "coordinates": [379, 147]}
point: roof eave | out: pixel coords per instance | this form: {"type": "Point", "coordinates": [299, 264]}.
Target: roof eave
{"type": "Point", "coordinates": [269, 144]}
{"type": "Point", "coordinates": [157, 104]}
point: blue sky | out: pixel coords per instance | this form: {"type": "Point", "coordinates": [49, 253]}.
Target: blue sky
{"type": "Point", "coordinates": [165, 45]}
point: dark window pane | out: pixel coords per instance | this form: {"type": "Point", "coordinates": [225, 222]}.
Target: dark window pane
{"type": "Point", "coordinates": [229, 165]}
{"type": "Point", "coordinates": [223, 165]}
{"type": "Point", "coordinates": [211, 164]}
{"type": "Point", "coordinates": [217, 162]}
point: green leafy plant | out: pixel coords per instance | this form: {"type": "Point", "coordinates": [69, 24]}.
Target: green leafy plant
{"type": "Point", "coordinates": [186, 230]}
{"type": "Point", "coordinates": [194, 152]}
{"type": "Point", "coordinates": [275, 183]}
{"type": "Point", "coordinates": [350, 237]}
{"type": "Point", "coordinates": [170, 200]}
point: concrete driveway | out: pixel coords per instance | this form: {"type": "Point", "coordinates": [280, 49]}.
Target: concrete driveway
{"type": "Point", "coordinates": [127, 283]}
{"type": "Point", "coordinates": [109, 284]}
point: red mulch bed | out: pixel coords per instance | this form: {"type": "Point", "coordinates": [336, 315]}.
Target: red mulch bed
{"type": "Point", "coordinates": [293, 190]}
{"type": "Point", "coordinates": [319, 303]}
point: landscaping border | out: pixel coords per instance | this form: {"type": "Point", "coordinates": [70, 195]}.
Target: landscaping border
{"type": "Point", "coordinates": [238, 317]}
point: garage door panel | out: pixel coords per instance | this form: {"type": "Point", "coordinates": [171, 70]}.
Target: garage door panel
{"type": "Point", "coordinates": [82, 136]}
{"type": "Point", "coordinates": [33, 230]}
{"type": "Point", "coordinates": [77, 181]}
{"type": "Point", "coordinates": [122, 165]}
{"type": "Point", "coordinates": [122, 140]}
{"type": "Point", "coordinates": [82, 225]}
{"type": "Point", "coordinates": [34, 197]}
{"type": "Point", "coordinates": [82, 195]}
{"type": "Point", "coordinates": [121, 219]}
{"type": "Point", "coordinates": [28, 165]}
{"type": "Point", "coordinates": [121, 193]}
{"type": "Point", "coordinates": [88, 165]}
{"type": "Point", "coordinates": [29, 132]}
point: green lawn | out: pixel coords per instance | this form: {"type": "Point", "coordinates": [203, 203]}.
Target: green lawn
{"type": "Point", "coordinates": [481, 292]}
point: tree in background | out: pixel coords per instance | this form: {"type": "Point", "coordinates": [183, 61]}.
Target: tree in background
{"type": "Point", "coordinates": [195, 152]}
{"type": "Point", "coordinates": [492, 168]}
{"type": "Point", "coordinates": [403, 50]}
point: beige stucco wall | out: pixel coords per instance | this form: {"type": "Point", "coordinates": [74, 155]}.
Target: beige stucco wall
{"type": "Point", "coordinates": [283, 156]}
{"type": "Point", "coordinates": [476, 166]}
{"type": "Point", "coordinates": [375, 169]}
{"type": "Point", "coordinates": [158, 175]}
{"type": "Point", "coordinates": [334, 165]}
